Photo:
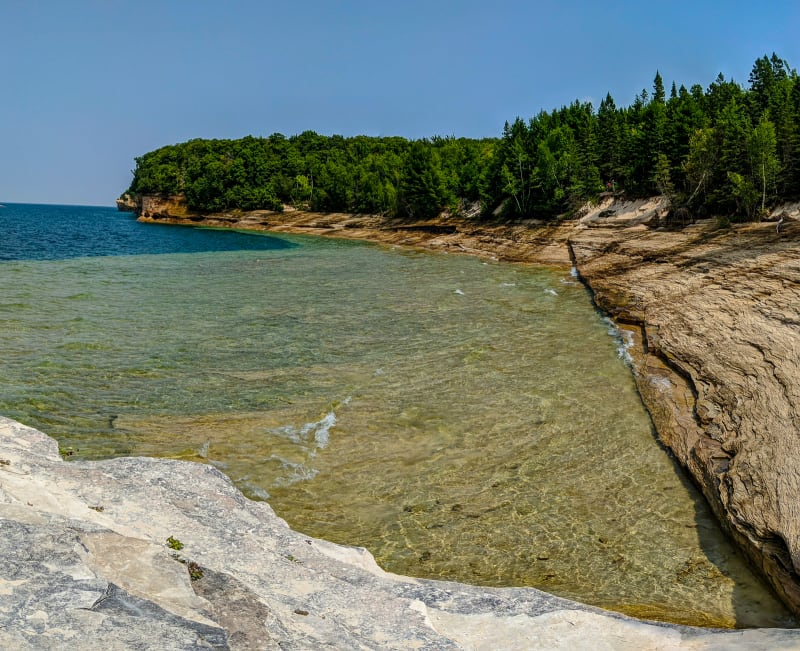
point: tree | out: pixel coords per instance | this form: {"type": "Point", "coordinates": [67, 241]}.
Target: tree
{"type": "Point", "coordinates": [744, 192]}
{"type": "Point", "coordinates": [421, 193]}
{"type": "Point", "coordinates": [761, 147]}
{"type": "Point", "coordinates": [699, 163]}
{"type": "Point", "coordinates": [662, 178]}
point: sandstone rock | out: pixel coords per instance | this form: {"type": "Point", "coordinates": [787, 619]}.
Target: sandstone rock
{"type": "Point", "coordinates": [85, 565]}
{"type": "Point", "coordinates": [157, 207]}
{"type": "Point", "coordinates": [128, 203]}
{"type": "Point", "coordinates": [718, 365]}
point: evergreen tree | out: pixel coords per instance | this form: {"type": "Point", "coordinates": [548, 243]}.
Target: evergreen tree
{"type": "Point", "coordinates": [422, 193]}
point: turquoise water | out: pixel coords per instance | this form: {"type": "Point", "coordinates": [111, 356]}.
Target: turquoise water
{"type": "Point", "coordinates": [461, 419]}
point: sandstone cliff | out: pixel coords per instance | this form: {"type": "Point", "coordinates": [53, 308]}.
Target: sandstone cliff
{"type": "Point", "coordinates": [128, 203]}
{"type": "Point", "coordinates": [138, 553]}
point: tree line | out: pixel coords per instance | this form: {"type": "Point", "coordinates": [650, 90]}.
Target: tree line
{"type": "Point", "coordinates": [723, 150]}
{"type": "Point", "coordinates": [362, 174]}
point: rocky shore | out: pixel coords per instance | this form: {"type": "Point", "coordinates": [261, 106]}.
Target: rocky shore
{"type": "Point", "coordinates": [713, 313]}
{"type": "Point", "coordinates": [715, 316]}
{"type": "Point", "coordinates": [138, 553]}
{"type": "Point", "coordinates": [154, 553]}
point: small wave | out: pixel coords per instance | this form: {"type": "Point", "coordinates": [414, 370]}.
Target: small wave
{"type": "Point", "coordinates": [508, 284]}
{"type": "Point", "coordinates": [298, 471]}
{"type": "Point", "coordinates": [624, 339]}
{"type": "Point", "coordinates": [317, 431]}
{"type": "Point", "coordinates": [459, 292]}
{"type": "Point", "coordinates": [564, 281]}
{"type": "Point", "coordinates": [551, 291]}
{"type": "Point", "coordinates": [321, 429]}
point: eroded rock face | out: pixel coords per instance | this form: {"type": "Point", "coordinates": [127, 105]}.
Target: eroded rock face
{"type": "Point", "coordinates": [85, 564]}
{"type": "Point", "coordinates": [716, 319]}
{"type": "Point", "coordinates": [128, 203]}
{"type": "Point", "coordinates": [162, 207]}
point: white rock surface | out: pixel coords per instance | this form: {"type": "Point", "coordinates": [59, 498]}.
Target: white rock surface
{"type": "Point", "coordinates": [85, 565]}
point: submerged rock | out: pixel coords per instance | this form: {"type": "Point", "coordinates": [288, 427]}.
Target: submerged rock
{"type": "Point", "coordinates": [85, 564]}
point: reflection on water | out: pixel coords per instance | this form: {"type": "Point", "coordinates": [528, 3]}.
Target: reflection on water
{"type": "Point", "coordinates": [462, 420]}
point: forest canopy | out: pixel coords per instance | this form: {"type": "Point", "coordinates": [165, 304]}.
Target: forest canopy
{"type": "Point", "coordinates": [723, 150]}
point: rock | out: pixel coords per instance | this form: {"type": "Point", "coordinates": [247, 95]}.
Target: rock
{"type": "Point", "coordinates": [718, 366]}
{"type": "Point", "coordinates": [156, 207]}
{"type": "Point", "coordinates": [128, 203]}
{"type": "Point", "coordinates": [73, 576]}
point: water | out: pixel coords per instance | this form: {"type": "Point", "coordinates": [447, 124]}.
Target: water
{"type": "Point", "coordinates": [43, 232]}
{"type": "Point", "coordinates": [462, 420]}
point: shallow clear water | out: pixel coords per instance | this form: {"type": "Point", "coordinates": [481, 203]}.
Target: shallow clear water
{"type": "Point", "coordinates": [460, 419]}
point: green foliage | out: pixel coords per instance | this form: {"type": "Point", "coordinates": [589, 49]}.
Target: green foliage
{"type": "Point", "coordinates": [662, 177]}
{"type": "Point", "coordinates": [422, 192]}
{"type": "Point", "coordinates": [726, 149]}
{"type": "Point", "coordinates": [174, 543]}
{"type": "Point", "coordinates": [390, 176]}
{"type": "Point", "coordinates": [765, 166]}
{"type": "Point", "coordinates": [745, 194]}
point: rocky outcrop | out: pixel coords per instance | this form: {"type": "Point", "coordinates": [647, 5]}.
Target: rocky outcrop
{"type": "Point", "coordinates": [129, 203]}
{"type": "Point", "coordinates": [519, 242]}
{"type": "Point", "coordinates": [161, 207]}
{"type": "Point", "coordinates": [715, 316]}
{"type": "Point", "coordinates": [162, 554]}
{"type": "Point", "coordinates": [154, 207]}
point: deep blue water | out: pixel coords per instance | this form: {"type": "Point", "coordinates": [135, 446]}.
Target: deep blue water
{"type": "Point", "coordinates": [47, 232]}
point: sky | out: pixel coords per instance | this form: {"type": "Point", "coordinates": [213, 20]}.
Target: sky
{"type": "Point", "coordinates": [88, 85]}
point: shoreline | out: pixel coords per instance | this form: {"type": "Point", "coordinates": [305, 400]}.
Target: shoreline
{"type": "Point", "coordinates": [524, 243]}
{"type": "Point", "coordinates": [694, 302]}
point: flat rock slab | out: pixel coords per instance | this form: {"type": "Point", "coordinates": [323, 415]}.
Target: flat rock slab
{"type": "Point", "coordinates": [85, 564]}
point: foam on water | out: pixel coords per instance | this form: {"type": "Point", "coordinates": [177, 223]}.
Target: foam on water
{"type": "Point", "coordinates": [624, 339]}
{"type": "Point", "coordinates": [297, 472]}
{"type": "Point", "coordinates": [316, 433]}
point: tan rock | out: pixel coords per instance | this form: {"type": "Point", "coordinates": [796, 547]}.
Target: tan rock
{"type": "Point", "coordinates": [718, 365]}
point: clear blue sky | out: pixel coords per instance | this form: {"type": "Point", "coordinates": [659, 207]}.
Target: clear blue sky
{"type": "Point", "coordinates": [87, 85]}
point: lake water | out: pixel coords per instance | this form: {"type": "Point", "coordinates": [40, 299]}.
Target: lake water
{"type": "Point", "coordinates": [463, 420]}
